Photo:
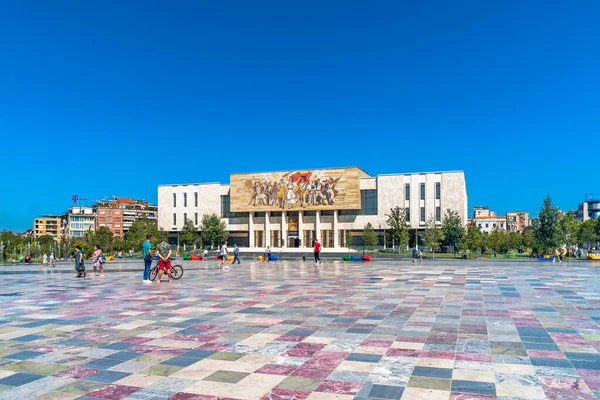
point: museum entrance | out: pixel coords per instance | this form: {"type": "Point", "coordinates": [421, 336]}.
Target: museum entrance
{"type": "Point", "coordinates": [293, 240]}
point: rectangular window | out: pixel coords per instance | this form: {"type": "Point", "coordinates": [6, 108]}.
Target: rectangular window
{"type": "Point", "coordinates": [327, 213]}
{"type": "Point", "coordinates": [225, 206]}
{"type": "Point", "coordinates": [407, 192]}
{"type": "Point", "coordinates": [368, 202]}
{"type": "Point", "coordinates": [407, 214]}
{"type": "Point", "coordinates": [438, 214]}
{"type": "Point", "coordinates": [422, 214]}
{"type": "Point", "coordinates": [348, 212]}
{"type": "Point", "coordinates": [174, 200]}
{"type": "Point", "coordinates": [196, 218]}
{"type": "Point", "coordinates": [310, 213]}
{"type": "Point", "coordinates": [226, 209]}
{"type": "Point", "coordinates": [259, 214]}
{"type": "Point", "coordinates": [184, 218]}
{"type": "Point", "coordinates": [438, 191]}
{"type": "Point", "coordinates": [196, 199]}
{"type": "Point", "coordinates": [174, 219]}
{"type": "Point", "coordinates": [275, 213]}
{"type": "Point", "coordinates": [422, 191]}
{"type": "Point", "coordinates": [185, 200]}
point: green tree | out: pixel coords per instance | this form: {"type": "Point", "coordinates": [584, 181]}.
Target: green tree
{"type": "Point", "coordinates": [528, 237]}
{"type": "Point", "coordinates": [46, 243]}
{"type": "Point", "coordinates": [570, 227]}
{"type": "Point", "coordinates": [370, 236]}
{"type": "Point", "coordinates": [104, 237]}
{"type": "Point", "coordinates": [547, 231]}
{"type": "Point", "coordinates": [497, 240]}
{"type": "Point", "coordinates": [453, 229]}
{"type": "Point", "coordinates": [81, 243]}
{"type": "Point", "coordinates": [587, 232]}
{"type": "Point", "coordinates": [136, 235]}
{"type": "Point", "coordinates": [348, 238]}
{"type": "Point", "coordinates": [398, 224]}
{"type": "Point", "coordinates": [513, 240]}
{"type": "Point", "coordinates": [189, 234]}
{"type": "Point", "coordinates": [118, 244]}
{"type": "Point", "coordinates": [433, 235]}
{"type": "Point", "coordinates": [213, 229]}
{"type": "Point", "coordinates": [473, 239]}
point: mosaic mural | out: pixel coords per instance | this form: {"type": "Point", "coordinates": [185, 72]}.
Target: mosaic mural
{"type": "Point", "coordinates": [318, 189]}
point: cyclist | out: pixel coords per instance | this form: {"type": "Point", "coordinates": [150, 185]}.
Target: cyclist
{"type": "Point", "coordinates": [163, 251]}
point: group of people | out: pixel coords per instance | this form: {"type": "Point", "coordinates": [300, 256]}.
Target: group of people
{"type": "Point", "coordinates": [417, 254]}
{"type": "Point", "coordinates": [98, 261]}
{"type": "Point", "coordinates": [223, 255]}
{"type": "Point", "coordinates": [163, 253]}
{"type": "Point", "coordinates": [45, 260]}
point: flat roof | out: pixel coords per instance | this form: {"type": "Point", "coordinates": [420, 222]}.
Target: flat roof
{"type": "Point", "coordinates": [425, 172]}
{"type": "Point", "coordinates": [367, 175]}
{"type": "Point", "coordinates": [193, 184]}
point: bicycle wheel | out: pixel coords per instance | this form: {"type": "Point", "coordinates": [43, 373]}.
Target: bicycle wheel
{"type": "Point", "coordinates": [176, 271]}
{"type": "Point", "coordinates": [153, 273]}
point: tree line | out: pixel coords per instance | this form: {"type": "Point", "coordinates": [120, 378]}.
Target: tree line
{"type": "Point", "coordinates": [548, 232]}
{"type": "Point", "coordinates": [13, 246]}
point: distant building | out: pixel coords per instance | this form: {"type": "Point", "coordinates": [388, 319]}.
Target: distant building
{"type": "Point", "coordinates": [111, 218]}
{"type": "Point", "coordinates": [78, 220]}
{"type": "Point", "coordinates": [589, 209]}
{"type": "Point", "coordinates": [489, 222]}
{"type": "Point", "coordinates": [119, 213]}
{"type": "Point", "coordinates": [47, 225]}
{"type": "Point", "coordinates": [481, 211]}
{"type": "Point", "coordinates": [517, 221]}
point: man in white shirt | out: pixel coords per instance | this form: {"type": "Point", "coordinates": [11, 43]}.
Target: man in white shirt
{"type": "Point", "coordinates": [223, 255]}
{"type": "Point", "coordinates": [45, 260]}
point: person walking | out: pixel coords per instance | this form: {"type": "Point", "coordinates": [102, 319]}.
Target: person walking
{"type": "Point", "coordinates": [236, 254]}
{"type": "Point", "coordinates": [267, 256]}
{"type": "Point", "coordinates": [420, 255]}
{"type": "Point", "coordinates": [45, 260]}
{"type": "Point", "coordinates": [147, 258]}
{"type": "Point", "coordinates": [163, 251]}
{"type": "Point", "coordinates": [52, 264]}
{"type": "Point", "coordinates": [223, 256]}
{"type": "Point", "coordinates": [79, 266]}
{"type": "Point", "coordinates": [414, 254]}
{"type": "Point", "coordinates": [97, 260]}
{"type": "Point", "coordinates": [317, 251]}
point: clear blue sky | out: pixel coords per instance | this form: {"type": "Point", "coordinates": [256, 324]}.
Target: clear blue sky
{"type": "Point", "coordinates": [113, 98]}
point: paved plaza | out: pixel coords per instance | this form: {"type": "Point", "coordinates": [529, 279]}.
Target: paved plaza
{"type": "Point", "coordinates": [287, 330]}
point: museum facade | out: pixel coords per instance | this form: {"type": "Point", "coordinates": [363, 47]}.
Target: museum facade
{"type": "Point", "coordinates": [292, 208]}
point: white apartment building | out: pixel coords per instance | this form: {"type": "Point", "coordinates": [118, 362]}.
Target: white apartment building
{"type": "Point", "coordinates": [79, 220]}
{"type": "Point", "coordinates": [292, 208]}
{"type": "Point", "coordinates": [489, 223]}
